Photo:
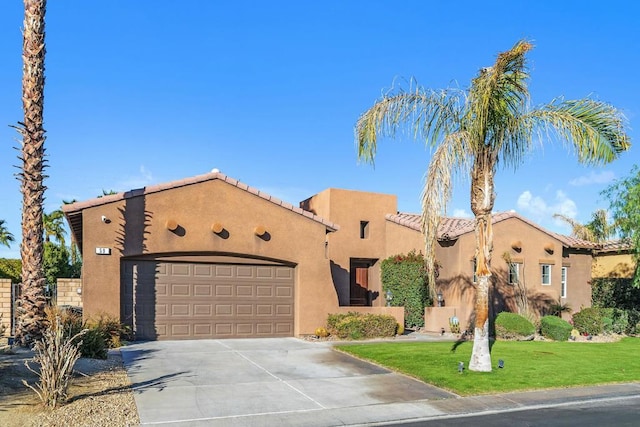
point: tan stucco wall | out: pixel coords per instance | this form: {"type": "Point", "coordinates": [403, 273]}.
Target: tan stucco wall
{"type": "Point", "coordinates": [138, 227]}
{"type": "Point", "coordinates": [613, 264]}
{"type": "Point", "coordinates": [348, 208]}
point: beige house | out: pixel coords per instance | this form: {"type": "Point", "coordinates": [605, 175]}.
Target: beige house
{"type": "Point", "coordinates": [210, 257]}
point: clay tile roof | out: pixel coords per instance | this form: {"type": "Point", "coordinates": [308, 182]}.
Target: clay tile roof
{"type": "Point", "coordinates": [73, 211]}
{"type": "Point", "coordinates": [451, 228]}
{"type": "Point", "coordinates": [615, 246]}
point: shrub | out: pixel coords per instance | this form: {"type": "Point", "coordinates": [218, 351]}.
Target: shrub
{"type": "Point", "coordinates": [614, 320]}
{"type": "Point", "coordinates": [103, 332]}
{"type": "Point", "coordinates": [513, 326]}
{"type": "Point", "coordinates": [555, 328]}
{"type": "Point", "coordinates": [404, 276]}
{"type": "Point", "coordinates": [321, 332]}
{"type": "Point", "coordinates": [56, 354]}
{"type": "Point", "coordinates": [588, 321]}
{"type": "Point", "coordinates": [355, 326]}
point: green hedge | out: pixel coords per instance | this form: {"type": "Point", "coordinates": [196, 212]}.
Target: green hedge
{"type": "Point", "coordinates": [513, 326]}
{"type": "Point", "coordinates": [588, 321]}
{"type": "Point", "coordinates": [555, 328]}
{"type": "Point", "coordinates": [11, 269]}
{"type": "Point", "coordinates": [405, 277]}
{"type": "Point", "coordinates": [619, 295]}
{"type": "Point", "coordinates": [356, 326]}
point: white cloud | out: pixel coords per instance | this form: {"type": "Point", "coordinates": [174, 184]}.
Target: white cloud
{"type": "Point", "coordinates": [538, 209]}
{"type": "Point", "coordinates": [603, 177]}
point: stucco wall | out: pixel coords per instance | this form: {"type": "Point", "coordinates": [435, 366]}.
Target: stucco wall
{"type": "Point", "coordinates": [137, 226]}
{"type": "Point", "coordinates": [348, 209]}
{"type": "Point", "coordinates": [613, 264]}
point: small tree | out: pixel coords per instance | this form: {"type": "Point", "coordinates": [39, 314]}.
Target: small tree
{"type": "Point", "coordinates": [624, 199]}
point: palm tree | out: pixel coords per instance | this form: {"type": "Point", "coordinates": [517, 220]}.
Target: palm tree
{"type": "Point", "coordinates": [473, 131]}
{"type": "Point", "coordinates": [32, 301]}
{"type": "Point", "coordinates": [597, 230]}
{"type": "Point", "coordinates": [53, 225]}
{"type": "Point", "coordinates": [5, 235]}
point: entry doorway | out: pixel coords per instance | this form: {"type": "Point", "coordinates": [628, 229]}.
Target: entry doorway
{"type": "Point", "coordinates": [360, 293]}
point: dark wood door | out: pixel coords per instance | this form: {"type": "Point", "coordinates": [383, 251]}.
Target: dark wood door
{"type": "Point", "coordinates": [359, 285]}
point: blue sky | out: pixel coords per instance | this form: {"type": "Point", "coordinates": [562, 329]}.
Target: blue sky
{"type": "Point", "coordinates": [145, 92]}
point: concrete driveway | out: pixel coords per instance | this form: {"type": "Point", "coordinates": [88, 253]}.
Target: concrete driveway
{"type": "Point", "coordinates": [262, 382]}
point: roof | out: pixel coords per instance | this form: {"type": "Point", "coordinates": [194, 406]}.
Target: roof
{"type": "Point", "coordinates": [73, 211]}
{"type": "Point", "coordinates": [451, 228]}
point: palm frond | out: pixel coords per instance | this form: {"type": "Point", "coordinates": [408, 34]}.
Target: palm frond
{"type": "Point", "coordinates": [578, 230]}
{"type": "Point", "coordinates": [451, 157]}
{"type": "Point", "coordinates": [596, 130]}
{"type": "Point", "coordinates": [426, 114]}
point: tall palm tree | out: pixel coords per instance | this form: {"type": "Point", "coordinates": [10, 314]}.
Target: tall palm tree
{"type": "Point", "coordinates": [474, 131]}
{"type": "Point", "coordinates": [53, 224]}
{"type": "Point", "coordinates": [32, 301]}
{"type": "Point", "coordinates": [5, 235]}
{"type": "Point", "coordinates": [597, 230]}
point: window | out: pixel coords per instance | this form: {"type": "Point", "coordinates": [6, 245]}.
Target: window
{"type": "Point", "coordinates": [364, 229]}
{"type": "Point", "coordinates": [545, 271]}
{"type": "Point", "coordinates": [563, 283]}
{"type": "Point", "coordinates": [514, 273]}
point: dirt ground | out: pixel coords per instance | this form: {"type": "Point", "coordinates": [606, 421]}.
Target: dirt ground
{"type": "Point", "coordinates": [99, 395]}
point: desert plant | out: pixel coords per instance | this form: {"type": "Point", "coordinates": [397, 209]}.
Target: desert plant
{"type": "Point", "coordinates": [555, 328]}
{"type": "Point", "coordinates": [557, 308]}
{"type": "Point", "coordinates": [588, 321]}
{"type": "Point", "coordinates": [321, 332]}
{"type": "Point", "coordinates": [513, 326]}
{"type": "Point", "coordinates": [56, 354]}
{"type": "Point", "coordinates": [356, 326]}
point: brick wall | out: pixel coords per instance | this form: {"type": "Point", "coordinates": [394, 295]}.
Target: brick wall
{"type": "Point", "coordinates": [5, 306]}
{"type": "Point", "coordinates": [68, 292]}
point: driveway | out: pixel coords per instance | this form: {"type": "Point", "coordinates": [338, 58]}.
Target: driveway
{"type": "Point", "coordinates": [271, 381]}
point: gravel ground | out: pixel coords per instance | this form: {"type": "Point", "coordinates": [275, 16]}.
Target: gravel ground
{"type": "Point", "coordinates": [100, 395]}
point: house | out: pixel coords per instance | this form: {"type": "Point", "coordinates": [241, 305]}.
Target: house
{"type": "Point", "coordinates": [210, 257]}
{"type": "Point", "coordinates": [532, 268]}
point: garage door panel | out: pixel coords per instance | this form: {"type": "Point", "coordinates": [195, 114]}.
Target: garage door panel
{"type": "Point", "coordinates": [187, 301]}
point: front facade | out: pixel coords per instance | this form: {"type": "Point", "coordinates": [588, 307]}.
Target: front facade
{"type": "Point", "coordinates": [210, 257]}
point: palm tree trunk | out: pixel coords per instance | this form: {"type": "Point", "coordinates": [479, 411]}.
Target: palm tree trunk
{"type": "Point", "coordinates": [32, 301]}
{"type": "Point", "coordinates": [482, 198]}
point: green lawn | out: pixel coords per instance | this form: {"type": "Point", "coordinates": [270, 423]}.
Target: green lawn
{"type": "Point", "coordinates": [527, 365]}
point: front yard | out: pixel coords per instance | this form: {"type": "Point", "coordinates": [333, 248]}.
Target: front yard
{"type": "Point", "coordinates": [527, 365]}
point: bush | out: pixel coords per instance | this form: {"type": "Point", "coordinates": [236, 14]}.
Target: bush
{"type": "Point", "coordinates": [588, 321]}
{"type": "Point", "coordinates": [103, 332]}
{"type": "Point", "coordinates": [555, 328]}
{"type": "Point", "coordinates": [56, 354]}
{"type": "Point", "coordinates": [513, 326]}
{"type": "Point", "coordinates": [405, 277]}
{"type": "Point", "coordinates": [614, 320]}
{"type": "Point", "coordinates": [356, 326]}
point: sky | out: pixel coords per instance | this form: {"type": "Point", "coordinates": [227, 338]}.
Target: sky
{"type": "Point", "coordinates": [150, 91]}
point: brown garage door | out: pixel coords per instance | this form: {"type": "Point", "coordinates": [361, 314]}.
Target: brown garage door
{"type": "Point", "coordinates": [196, 301]}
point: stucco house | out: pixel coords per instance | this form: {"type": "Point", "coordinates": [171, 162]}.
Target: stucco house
{"type": "Point", "coordinates": [210, 257]}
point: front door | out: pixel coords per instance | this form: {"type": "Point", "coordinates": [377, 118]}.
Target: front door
{"type": "Point", "coordinates": [360, 284]}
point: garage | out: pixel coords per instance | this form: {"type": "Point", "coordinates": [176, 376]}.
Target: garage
{"type": "Point", "coordinates": [190, 300]}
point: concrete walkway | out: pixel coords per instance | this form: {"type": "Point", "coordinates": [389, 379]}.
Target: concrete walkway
{"type": "Point", "coordinates": [292, 382]}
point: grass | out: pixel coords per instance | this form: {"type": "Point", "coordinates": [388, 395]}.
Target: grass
{"type": "Point", "coordinates": [528, 365]}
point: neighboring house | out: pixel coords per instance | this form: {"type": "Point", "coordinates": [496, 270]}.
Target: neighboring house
{"type": "Point", "coordinates": [614, 260]}
{"type": "Point", "coordinates": [547, 267]}
{"type": "Point", "coordinates": [210, 257]}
